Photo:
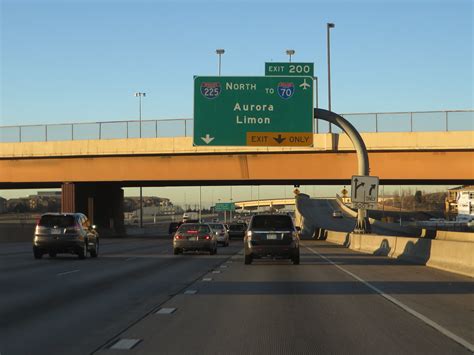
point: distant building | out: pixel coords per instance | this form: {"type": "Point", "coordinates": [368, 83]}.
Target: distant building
{"type": "Point", "coordinates": [460, 201]}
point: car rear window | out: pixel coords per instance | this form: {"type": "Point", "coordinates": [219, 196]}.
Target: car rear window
{"type": "Point", "coordinates": [273, 222]}
{"type": "Point", "coordinates": [51, 221]}
{"type": "Point", "coordinates": [237, 227]}
{"type": "Point", "coordinates": [194, 228]}
{"type": "Point", "coordinates": [217, 226]}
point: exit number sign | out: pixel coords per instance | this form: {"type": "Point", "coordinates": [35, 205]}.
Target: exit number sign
{"type": "Point", "coordinates": [289, 69]}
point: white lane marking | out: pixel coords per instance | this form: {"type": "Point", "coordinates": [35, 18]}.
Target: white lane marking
{"type": "Point", "coordinates": [67, 272]}
{"type": "Point", "coordinates": [207, 279]}
{"type": "Point", "coordinates": [125, 344]}
{"type": "Point", "coordinates": [190, 292]}
{"type": "Point", "coordinates": [223, 266]}
{"type": "Point", "coordinates": [166, 311]}
{"type": "Point", "coordinates": [216, 272]}
{"type": "Point", "coordinates": [403, 306]}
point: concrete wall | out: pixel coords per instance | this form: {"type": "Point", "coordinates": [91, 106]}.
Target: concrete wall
{"type": "Point", "coordinates": [452, 256]}
{"type": "Point", "coordinates": [184, 145]}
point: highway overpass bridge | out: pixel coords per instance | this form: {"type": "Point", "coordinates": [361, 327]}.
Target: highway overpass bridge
{"type": "Point", "coordinates": [92, 173]}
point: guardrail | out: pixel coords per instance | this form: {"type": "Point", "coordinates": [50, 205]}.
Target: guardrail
{"type": "Point", "coordinates": [414, 121]}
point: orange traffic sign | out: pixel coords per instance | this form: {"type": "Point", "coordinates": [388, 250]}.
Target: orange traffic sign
{"type": "Point", "coordinates": [280, 139]}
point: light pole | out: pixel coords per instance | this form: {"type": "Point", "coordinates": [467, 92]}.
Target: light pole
{"type": "Point", "coordinates": [220, 52]}
{"type": "Point", "coordinates": [230, 212]}
{"type": "Point", "coordinates": [329, 26]}
{"type": "Point", "coordinates": [290, 52]}
{"type": "Point", "coordinates": [140, 95]}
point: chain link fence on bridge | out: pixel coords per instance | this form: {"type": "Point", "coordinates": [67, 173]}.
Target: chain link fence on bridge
{"type": "Point", "coordinates": [417, 121]}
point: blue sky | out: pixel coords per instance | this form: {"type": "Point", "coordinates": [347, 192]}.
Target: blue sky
{"type": "Point", "coordinates": [75, 61]}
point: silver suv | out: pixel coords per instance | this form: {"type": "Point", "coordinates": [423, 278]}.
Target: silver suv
{"type": "Point", "coordinates": [65, 233]}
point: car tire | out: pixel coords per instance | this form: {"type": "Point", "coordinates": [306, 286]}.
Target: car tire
{"type": "Point", "coordinates": [248, 259]}
{"type": "Point", "coordinates": [52, 254]}
{"type": "Point", "coordinates": [176, 251]}
{"type": "Point", "coordinates": [296, 259]}
{"type": "Point", "coordinates": [95, 251]}
{"type": "Point", "coordinates": [37, 253]}
{"type": "Point", "coordinates": [82, 254]}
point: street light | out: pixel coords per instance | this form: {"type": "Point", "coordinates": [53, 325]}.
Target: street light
{"type": "Point", "coordinates": [220, 52]}
{"type": "Point", "coordinates": [329, 26]}
{"type": "Point", "coordinates": [290, 52]}
{"type": "Point", "coordinates": [140, 95]}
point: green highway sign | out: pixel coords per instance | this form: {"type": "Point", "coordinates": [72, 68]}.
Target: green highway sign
{"type": "Point", "coordinates": [290, 69]}
{"type": "Point", "coordinates": [226, 206]}
{"type": "Point", "coordinates": [258, 111]}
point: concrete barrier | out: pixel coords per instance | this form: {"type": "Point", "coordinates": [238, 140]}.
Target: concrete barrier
{"type": "Point", "coordinates": [457, 236]}
{"type": "Point", "coordinates": [341, 238]}
{"type": "Point", "coordinates": [448, 255]}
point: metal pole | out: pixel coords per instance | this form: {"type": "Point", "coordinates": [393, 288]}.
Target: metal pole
{"type": "Point", "coordinates": [156, 128]}
{"type": "Point", "coordinates": [127, 129]}
{"type": "Point", "coordinates": [363, 224]}
{"type": "Point", "coordinates": [411, 121]}
{"type": "Point", "coordinates": [400, 193]}
{"type": "Point", "coordinates": [72, 132]}
{"type": "Point", "coordinates": [46, 132]}
{"type": "Point", "coordinates": [219, 64]}
{"type": "Point", "coordinates": [329, 26]}
{"type": "Point", "coordinates": [100, 130]}
{"type": "Point", "coordinates": [19, 134]}
{"type": "Point", "coordinates": [317, 101]}
{"type": "Point", "coordinates": [140, 113]}
{"type": "Point", "coordinates": [447, 128]}
{"type": "Point", "coordinates": [376, 123]}
{"type": "Point", "coordinates": [200, 205]}
{"type": "Point", "coordinates": [185, 133]}
{"type": "Point", "coordinates": [230, 212]}
{"type": "Point", "coordinates": [141, 207]}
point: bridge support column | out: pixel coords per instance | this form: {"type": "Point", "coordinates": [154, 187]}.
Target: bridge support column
{"type": "Point", "coordinates": [101, 203]}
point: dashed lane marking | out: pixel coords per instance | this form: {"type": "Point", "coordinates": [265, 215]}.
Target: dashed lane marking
{"type": "Point", "coordinates": [67, 272]}
{"type": "Point", "coordinates": [403, 306]}
{"type": "Point", "coordinates": [166, 310]}
{"type": "Point", "coordinates": [125, 344]}
{"type": "Point", "coordinates": [190, 292]}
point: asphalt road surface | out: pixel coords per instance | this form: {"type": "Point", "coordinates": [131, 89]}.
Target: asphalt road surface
{"type": "Point", "coordinates": [320, 211]}
{"type": "Point", "coordinates": [336, 301]}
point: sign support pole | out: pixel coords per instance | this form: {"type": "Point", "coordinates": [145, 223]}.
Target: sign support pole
{"type": "Point", "coordinates": [363, 225]}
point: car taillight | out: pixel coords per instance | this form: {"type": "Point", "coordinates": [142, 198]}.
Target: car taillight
{"type": "Point", "coordinates": [207, 237]}
{"type": "Point", "coordinates": [177, 236]}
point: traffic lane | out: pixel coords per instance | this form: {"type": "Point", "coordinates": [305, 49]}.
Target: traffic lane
{"type": "Point", "coordinates": [47, 274]}
{"type": "Point", "coordinates": [323, 210]}
{"type": "Point", "coordinates": [378, 227]}
{"type": "Point", "coordinates": [277, 307]}
{"type": "Point", "coordinates": [446, 298]}
{"type": "Point", "coordinates": [97, 302]}
{"type": "Point", "coordinates": [14, 265]}
{"type": "Point", "coordinates": [51, 283]}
